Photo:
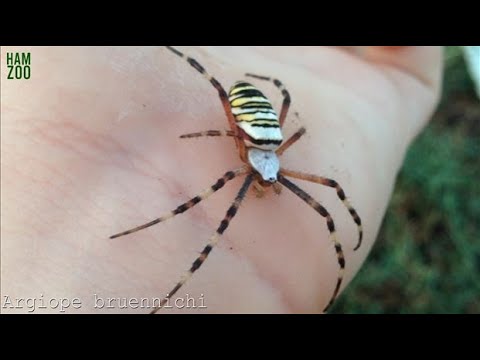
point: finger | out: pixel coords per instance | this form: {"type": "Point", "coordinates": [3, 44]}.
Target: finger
{"type": "Point", "coordinates": [423, 62]}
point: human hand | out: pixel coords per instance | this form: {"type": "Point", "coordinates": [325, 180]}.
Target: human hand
{"type": "Point", "coordinates": [90, 147]}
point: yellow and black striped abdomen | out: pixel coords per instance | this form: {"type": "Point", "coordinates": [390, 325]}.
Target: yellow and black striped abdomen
{"type": "Point", "coordinates": [254, 114]}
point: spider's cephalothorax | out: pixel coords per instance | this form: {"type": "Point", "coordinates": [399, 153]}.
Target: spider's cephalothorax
{"type": "Point", "coordinates": [257, 131]}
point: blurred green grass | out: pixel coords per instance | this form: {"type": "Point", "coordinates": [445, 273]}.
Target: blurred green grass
{"type": "Point", "coordinates": [427, 255]}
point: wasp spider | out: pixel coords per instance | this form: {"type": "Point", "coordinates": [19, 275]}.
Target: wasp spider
{"type": "Point", "coordinates": [257, 131]}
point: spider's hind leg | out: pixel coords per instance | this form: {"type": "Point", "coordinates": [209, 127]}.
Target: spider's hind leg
{"type": "Point", "coordinates": [286, 95]}
{"type": "Point", "coordinates": [208, 133]}
{"type": "Point", "coordinates": [222, 94]}
{"type": "Point", "coordinates": [291, 140]}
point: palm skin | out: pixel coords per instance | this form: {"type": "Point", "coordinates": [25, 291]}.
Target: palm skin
{"type": "Point", "coordinates": [90, 147]}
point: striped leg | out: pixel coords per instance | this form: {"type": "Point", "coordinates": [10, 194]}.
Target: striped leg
{"type": "Point", "coordinates": [221, 91]}
{"type": "Point", "coordinates": [285, 93]}
{"type": "Point", "coordinates": [208, 133]}
{"type": "Point", "coordinates": [293, 139]}
{"type": "Point", "coordinates": [331, 228]}
{"type": "Point", "coordinates": [229, 175]}
{"type": "Point", "coordinates": [213, 241]}
{"type": "Point", "coordinates": [340, 193]}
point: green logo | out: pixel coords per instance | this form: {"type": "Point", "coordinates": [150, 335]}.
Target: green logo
{"type": "Point", "coordinates": [18, 64]}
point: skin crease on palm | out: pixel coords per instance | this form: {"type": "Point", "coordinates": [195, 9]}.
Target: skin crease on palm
{"type": "Point", "coordinates": [90, 148]}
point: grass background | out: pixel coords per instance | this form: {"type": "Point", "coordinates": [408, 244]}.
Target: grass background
{"type": "Point", "coordinates": [427, 255]}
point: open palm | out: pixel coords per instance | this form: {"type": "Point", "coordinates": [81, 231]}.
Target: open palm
{"type": "Point", "coordinates": [90, 147]}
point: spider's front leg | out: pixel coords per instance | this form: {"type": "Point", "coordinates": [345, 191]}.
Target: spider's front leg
{"type": "Point", "coordinates": [229, 175]}
{"type": "Point", "coordinates": [331, 228]}
{"type": "Point", "coordinates": [340, 194]}
{"type": "Point", "coordinates": [232, 210]}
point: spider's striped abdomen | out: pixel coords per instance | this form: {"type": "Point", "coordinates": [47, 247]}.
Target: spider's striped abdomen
{"type": "Point", "coordinates": [255, 116]}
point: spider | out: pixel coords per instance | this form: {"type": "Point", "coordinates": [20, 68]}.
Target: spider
{"type": "Point", "coordinates": [257, 131]}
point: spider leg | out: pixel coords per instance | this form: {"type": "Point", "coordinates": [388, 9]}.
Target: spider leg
{"type": "Point", "coordinates": [291, 140]}
{"type": "Point", "coordinates": [221, 91]}
{"type": "Point", "coordinates": [340, 193]}
{"type": "Point", "coordinates": [208, 133]}
{"type": "Point", "coordinates": [331, 228]}
{"type": "Point", "coordinates": [229, 175]}
{"type": "Point", "coordinates": [286, 96]}
{"type": "Point", "coordinates": [232, 210]}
